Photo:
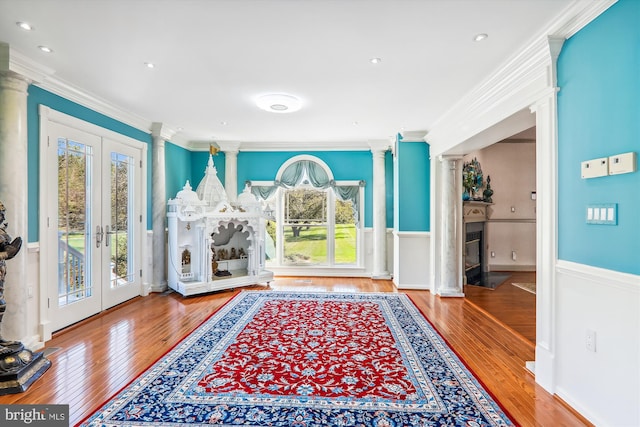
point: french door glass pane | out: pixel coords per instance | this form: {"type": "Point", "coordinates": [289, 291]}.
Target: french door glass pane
{"type": "Point", "coordinates": [75, 162]}
{"type": "Point", "coordinates": [345, 233]}
{"type": "Point", "coordinates": [120, 237]}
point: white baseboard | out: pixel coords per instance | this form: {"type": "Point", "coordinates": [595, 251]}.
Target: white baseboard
{"type": "Point", "coordinates": [511, 267]}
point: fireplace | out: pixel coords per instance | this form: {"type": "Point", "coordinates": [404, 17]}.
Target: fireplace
{"type": "Point", "coordinates": [475, 214]}
{"type": "Point", "coordinates": [473, 252]}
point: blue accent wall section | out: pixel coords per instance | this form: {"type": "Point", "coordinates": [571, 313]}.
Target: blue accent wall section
{"type": "Point", "coordinates": [178, 168]}
{"type": "Point", "coordinates": [345, 165]}
{"type": "Point", "coordinates": [199, 161]}
{"type": "Point", "coordinates": [38, 96]}
{"type": "Point", "coordinates": [599, 116]}
{"type": "Point", "coordinates": [413, 187]}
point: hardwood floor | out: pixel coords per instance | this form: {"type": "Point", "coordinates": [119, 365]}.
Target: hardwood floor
{"type": "Point", "coordinates": [514, 307]}
{"type": "Point", "coordinates": [96, 358]}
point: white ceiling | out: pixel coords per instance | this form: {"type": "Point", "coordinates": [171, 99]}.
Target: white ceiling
{"type": "Point", "coordinates": [214, 57]}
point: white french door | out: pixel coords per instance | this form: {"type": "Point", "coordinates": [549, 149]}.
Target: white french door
{"type": "Point", "coordinates": [94, 216]}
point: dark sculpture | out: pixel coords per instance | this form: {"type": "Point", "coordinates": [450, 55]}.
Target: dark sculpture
{"type": "Point", "coordinates": [19, 367]}
{"type": "Point", "coordinates": [8, 249]}
{"type": "Point", "coordinates": [488, 192]}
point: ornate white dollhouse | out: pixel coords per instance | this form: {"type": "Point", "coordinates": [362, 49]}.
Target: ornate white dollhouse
{"type": "Point", "coordinates": [214, 244]}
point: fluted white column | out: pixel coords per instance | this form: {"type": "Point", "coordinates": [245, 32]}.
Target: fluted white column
{"type": "Point", "coordinates": [379, 211]}
{"type": "Point", "coordinates": [159, 205]}
{"type": "Point", "coordinates": [451, 229]}
{"type": "Point", "coordinates": [230, 150]}
{"type": "Point", "coordinates": [13, 194]}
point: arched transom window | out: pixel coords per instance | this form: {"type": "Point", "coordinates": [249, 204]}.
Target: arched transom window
{"type": "Point", "coordinates": [316, 219]}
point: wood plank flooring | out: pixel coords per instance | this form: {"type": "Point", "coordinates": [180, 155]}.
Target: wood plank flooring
{"type": "Point", "coordinates": [96, 358]}
{"type": "Point", "coordinates": [514, 307]}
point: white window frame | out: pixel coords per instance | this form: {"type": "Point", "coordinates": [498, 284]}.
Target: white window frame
{"type": "Point", "coordinates": [277, 202]}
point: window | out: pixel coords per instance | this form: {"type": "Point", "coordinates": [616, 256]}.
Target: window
{"type": "Point", "coordinates": [316, 221]}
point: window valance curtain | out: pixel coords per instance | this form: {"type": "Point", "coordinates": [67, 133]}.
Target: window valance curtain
{"type": "Point", "coordinates": [318, 178]}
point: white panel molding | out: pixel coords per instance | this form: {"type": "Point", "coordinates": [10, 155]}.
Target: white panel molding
{"type": "Point", "coordinates": [622, 281]}
{"type": "Point", "coordinates": [608, 303]}
{"type": "Point", "coordinates": [411, 251]}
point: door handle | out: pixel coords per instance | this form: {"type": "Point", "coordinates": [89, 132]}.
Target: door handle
{"type": "Point", "coordinates": [107, 238]}
{"type": "Point", "coordinates": [99, 235]}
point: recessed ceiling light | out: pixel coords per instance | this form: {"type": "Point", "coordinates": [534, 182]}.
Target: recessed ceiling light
{"type": "Point", "coordinates": [25, 26]}
{"type": "Point", "coordinates": [45, 49]}
{"type": "Point", "coordinates": [278, 103]}
{"type": "Point", "coordinates": [223, 123]}
{"type": "Point", "coordinates": [375, 60]}
{"type": "Point", "coordinates": [355, 123]}
{"type": "Point", "coordinates": [149, 64]}
{"type": "Point", "coordinates": [480, 37]}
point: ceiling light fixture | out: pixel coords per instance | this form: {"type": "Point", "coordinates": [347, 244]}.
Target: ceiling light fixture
{"type": "Point", "coordinates": [25, 26]}
{"type": "Point", "coordinates": [223, 123]}
{"type": "Point", "coordinates": [375, 60]}
{"type": "Point", "coordinates": [45, 49]}
{"type": "Point", "coordinates": [480, 37]}
{"type": "Point", "coordinates": [278, 103]}
{"type": "Point", "coordinates": [149, 64]}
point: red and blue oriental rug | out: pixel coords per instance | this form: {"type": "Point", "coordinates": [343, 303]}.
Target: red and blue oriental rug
{"type": "Point", "coordinates": [307, 359]}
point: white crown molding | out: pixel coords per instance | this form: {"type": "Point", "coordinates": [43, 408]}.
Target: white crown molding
{"type": "Point", "coordinates": [229, 146]}
{"type": "Point", "coordinates": [515, 84]}
{"type": "Point", "coordinates": [577, 16]}
{"type": "Point", "coordinates": [162, 130]}
{"type": "Point", "coordinates": [414, 136]}
{"type": "Point", "coordinates": [282, 146]}
{"type": "Point", "coordinates": [11, 60]}
{"type": "Point", "coordinates": [381, 144]}
{"type": "Point", "coordinates": [86, 99]}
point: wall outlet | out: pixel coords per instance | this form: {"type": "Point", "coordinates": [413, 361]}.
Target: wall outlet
{"type": "Point", "coordinates": [595, 168]}
{"type": "Point", "coordinates": [493, 254]}
{"type": "Point", "coordinates": [622, 163]}
{"type": "Point", "coordinates": [513, 255]}
{"type": "Point", "coordinates": [590, 340]}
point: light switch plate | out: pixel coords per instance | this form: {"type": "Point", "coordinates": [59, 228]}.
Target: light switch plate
{"type": "Point", "coordinates": [595, 167]}
{"type": "Point", "coordinates": [622, 163]}
{"type": "Point", "coordinates": [603, 214]}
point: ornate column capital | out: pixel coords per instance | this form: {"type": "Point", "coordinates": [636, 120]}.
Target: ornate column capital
{"type": "Point", "coordinates": [229, 147]}
{"type": "Point", "coordinates": [161, 130]}
{"type": "Point", "coordinates": [380, 146]}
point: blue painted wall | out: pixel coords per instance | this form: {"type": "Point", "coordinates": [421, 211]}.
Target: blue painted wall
{"type": "Point", "coordinates": [178, 169]}
{"type": "Point", "coordinates": [599, 116]}
{"type": "Point", "coordinates": [345, 165]}
{"type": "Point", "coordinates": [38, 96]}
{"type": "Point", "coordinates": [412, 187]}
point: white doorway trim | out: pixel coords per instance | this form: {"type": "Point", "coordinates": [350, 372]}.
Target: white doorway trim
{"type": "Point", "coordinates": [48, 115]}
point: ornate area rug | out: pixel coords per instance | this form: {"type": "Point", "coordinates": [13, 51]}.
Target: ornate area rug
{"type": "Point", "coordinates": [307, 359]}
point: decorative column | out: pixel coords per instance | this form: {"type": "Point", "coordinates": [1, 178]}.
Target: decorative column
{"type": "Point", "coordinates": [160, 134]}
{"type": "Point", "coordinates": [451, 229]}
{"type": "Point", "coordinates": [14, 195]}
{"type": "Point", "coordinates": [546, 110]}
{"type": "Point", "coordinates": [230, 150]}
{"type": "Point", "coordinates": [379, 268]}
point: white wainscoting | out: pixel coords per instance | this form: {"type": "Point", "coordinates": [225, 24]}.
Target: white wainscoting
{"type": "Point", "coordinates": [411, 259]}
{"type": "Point", "coordinates": [604, 385]}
